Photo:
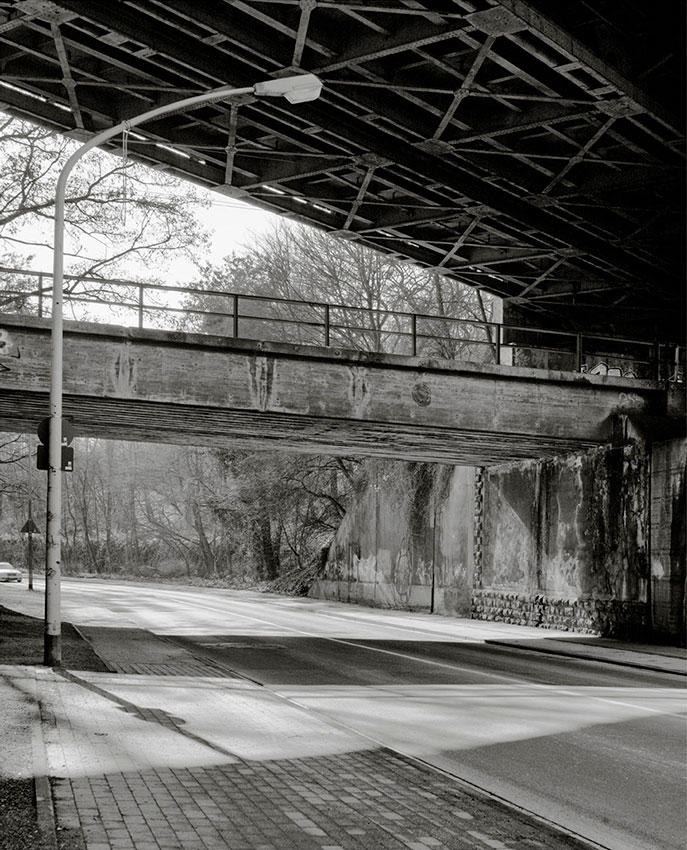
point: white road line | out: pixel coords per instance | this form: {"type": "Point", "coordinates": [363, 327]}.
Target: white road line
{"type": "Point", "coordinates": [364, 618]}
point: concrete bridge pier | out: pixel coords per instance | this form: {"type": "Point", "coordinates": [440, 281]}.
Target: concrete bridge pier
{"type": "Point", "coordinates": [593, 542]}
{"type": "Point", "coordinates": [668, 511]}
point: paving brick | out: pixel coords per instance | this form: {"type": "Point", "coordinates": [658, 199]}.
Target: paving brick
{"type": "Point", "coordinates": [146, 785]}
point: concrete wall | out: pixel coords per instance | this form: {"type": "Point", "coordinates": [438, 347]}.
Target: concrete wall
{"type": "Point", "coordinates": [408, 542]}
{"type": "Point", "coordinates": [565, 543]}
{"type": "Point", "coordinates": [592, 543]}
{"type": "Point", "coordinates": [668, 507]}
{"type": "Point", "coordinates": [191, 389]}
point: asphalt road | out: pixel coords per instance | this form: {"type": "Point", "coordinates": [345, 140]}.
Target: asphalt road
{"type": "Point", "coordinates": [596, 748]}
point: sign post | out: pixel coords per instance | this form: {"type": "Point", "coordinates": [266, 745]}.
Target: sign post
{"type": "Point", "coordinates": [56, 455]}
{"type": "Point", "coordinates": [30, 528]}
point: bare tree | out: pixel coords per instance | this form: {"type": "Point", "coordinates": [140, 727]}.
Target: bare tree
{"type": "Point", "coordinates": [116, 211]}
{"type": "Point", "coordinates": [376, 302]}
{"type": "Point", "coordinates": [290, 505]}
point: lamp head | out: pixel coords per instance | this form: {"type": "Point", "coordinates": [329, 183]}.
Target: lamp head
{"type": "Point", "coordinates": [296, 89]}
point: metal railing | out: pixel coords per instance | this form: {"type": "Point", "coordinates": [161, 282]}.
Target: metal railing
{"type": "Point", "coordinates": [194, 309]}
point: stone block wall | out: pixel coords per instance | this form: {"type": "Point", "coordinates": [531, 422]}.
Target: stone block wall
{"type": "Point", "coordinates": [621, 619]}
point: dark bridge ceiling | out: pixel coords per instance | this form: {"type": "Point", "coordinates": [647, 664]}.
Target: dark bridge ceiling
{"type": "Point", "coordinates": [534, 149]}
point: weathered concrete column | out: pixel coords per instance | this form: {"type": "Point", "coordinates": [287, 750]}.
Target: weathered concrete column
{"type": "Point", "coordinates": [566, 543]}
{"type": "Point", "coordinates": [668, 539]}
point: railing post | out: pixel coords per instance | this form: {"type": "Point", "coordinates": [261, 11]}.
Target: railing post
{"type": "Point", "coordinates": [235, 329]}
{"type": "Point", "coordinates": [140, 306]}
{"type": "Point", "coordinates": [578, 353]}
{"type": "Point", "coordinates": [413, 327]}
{"type": "Point", "coordinates": [326, 325]}
{"type": "Point", "coordinates": [498, 344]}
{"type": "Point", "coordinates": [40, 295]}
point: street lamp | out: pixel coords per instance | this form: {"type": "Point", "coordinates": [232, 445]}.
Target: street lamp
{"type": "Point", "coordinates": [296, 89]}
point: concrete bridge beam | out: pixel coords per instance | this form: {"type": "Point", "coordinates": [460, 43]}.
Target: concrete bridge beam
{"type": "Point", "coordinates": [176, 387]}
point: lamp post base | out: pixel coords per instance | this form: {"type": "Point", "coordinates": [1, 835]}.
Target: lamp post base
{"type": "Point", "coordinates": [52, 650]}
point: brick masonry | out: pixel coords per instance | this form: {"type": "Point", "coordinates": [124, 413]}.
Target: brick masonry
{"type": "Point", "coordinates": [123, 780]}
{"type": "Point", "coordinates": [565, 543]}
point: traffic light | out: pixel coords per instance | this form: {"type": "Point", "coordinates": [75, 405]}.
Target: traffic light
{"type": "Point", "coordinates": [67, 459]}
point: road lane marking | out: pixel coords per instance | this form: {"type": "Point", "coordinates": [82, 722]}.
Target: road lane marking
{"type": "Point", "coordinates": [183, 597]}
{"type": "Point", "coordinates": [229, 610]}
{"type": "Point", "coordinates": [367, 618]}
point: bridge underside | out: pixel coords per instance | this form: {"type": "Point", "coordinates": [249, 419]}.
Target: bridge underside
{"type": "Point", "coordinates": [257, 431]}
{"type": "Point", "coordinates": [532, 149]}
{"type": "Point", "coordinates": [213, 391]}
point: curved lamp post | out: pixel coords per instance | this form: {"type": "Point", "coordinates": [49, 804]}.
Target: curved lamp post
{"type": "Point", "coordinates": [296, 90]}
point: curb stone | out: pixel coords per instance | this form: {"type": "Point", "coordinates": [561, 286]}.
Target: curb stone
{"type": "Point", "coordinates": [657, 664]}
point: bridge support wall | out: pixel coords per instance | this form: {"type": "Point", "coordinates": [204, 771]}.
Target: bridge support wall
{"type": "Point", "coordinates": [668, 533]}
{"type": "Point", "coordinates": [409, 541]}
{"type": "Point", "coordinates": [565, 543]}
{"type": "Point", "coordinates": [591, 542]}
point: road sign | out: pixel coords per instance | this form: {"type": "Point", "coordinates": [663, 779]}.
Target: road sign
{"type": "Point", "coordinates": [67, 431]}
{"type": "Point", "coordinates": [67, 461]}
{"type": "Point", "coordinates": [29, 527]}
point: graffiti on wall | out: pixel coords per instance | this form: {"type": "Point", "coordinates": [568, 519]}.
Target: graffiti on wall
{"type": "Point", "coordinates": [602, 368]}
{"type": "Point", "coordinates": [7, 349]}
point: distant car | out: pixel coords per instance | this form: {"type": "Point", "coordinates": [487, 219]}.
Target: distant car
{"type": "Point", "coordinates": [8, 572]}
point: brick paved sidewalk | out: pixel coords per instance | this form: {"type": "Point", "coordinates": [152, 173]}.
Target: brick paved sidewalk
{"type": "Point", "coordinates": [253, 773]}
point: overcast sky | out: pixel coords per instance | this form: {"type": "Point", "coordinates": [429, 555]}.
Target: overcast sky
{"type": "Point", "coordinates": [232, 223]}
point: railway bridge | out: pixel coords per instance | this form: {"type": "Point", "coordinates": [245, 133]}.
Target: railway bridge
{"type": "Point", "coordinates": [534, 150]}
{"type": "Point", "coordinates": [190, 388]}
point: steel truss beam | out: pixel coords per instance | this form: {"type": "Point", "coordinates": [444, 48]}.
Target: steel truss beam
{"type": "Point", "coordinates": [533, 149]}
